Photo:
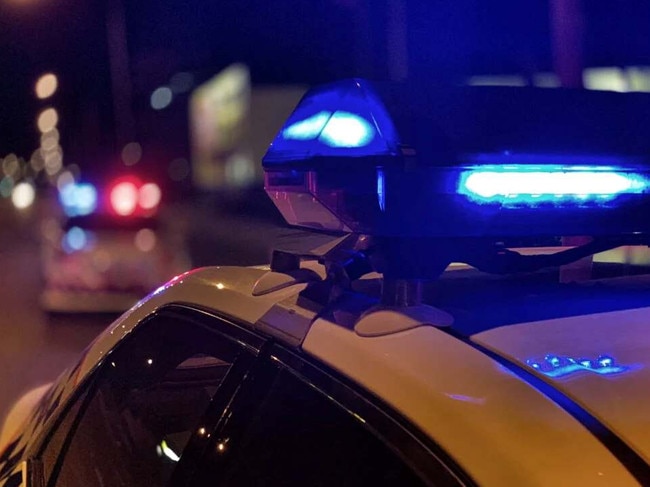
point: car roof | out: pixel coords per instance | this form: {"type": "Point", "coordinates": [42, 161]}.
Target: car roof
{"type": "Point", "coordinates": [498, 427]}
{"type": "Point", "coordinates": [484, 416]}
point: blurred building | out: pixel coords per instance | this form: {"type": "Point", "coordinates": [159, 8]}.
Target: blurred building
{"type": "Point", "coordinates": [232, 125]}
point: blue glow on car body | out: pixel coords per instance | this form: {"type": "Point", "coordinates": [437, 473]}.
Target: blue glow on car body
{"type": "Point", "coordinates": [558, 366]}
{"type": "Point", "coordinates": [381, 189]}
{"type": "Point", "coordinates": [465, 398]}
{"type": "Point", "coordinates": [531, 185]}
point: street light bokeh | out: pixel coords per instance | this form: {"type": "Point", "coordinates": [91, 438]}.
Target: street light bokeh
{"type": "Point", "coordinates": [47, 120]}
{"type": "Point", "coordinates": [46, 86]}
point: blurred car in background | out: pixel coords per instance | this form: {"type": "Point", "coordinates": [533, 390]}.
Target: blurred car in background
{"type": "Point", "coordinates": [108, 247]}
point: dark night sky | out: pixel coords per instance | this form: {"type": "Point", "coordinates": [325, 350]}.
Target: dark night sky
{"type": "Point", "coordinates": [304, 42]}
{"type": "Point", "coordinates": [283, 41]}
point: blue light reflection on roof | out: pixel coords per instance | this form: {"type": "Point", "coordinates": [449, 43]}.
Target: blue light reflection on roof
{"type": "Point", "coordinates": [530, 185]}
{"type": "Point", "coordinates": [465, 398]}
{"type": "Point", "coordinates": [558, 366]}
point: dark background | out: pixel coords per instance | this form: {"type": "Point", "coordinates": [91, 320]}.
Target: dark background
{"type": "Point", "coordinates": [282, 41]}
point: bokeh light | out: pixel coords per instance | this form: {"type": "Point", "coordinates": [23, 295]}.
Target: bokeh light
{"type": "Point", "coordinates": [64, 179]}
{"type": "Point", "coordinates": [6, 186]}
{"type": "Point", "coordinates": [239, 170]}
{"type": "Point", "coordinates": [53, 160]}
{"type": "Point", "coordinates": [124, 198]}
{"type": "Point", "coordinates": [23, 195]}
{"type": "Point", "coordinates": [75, 170]}
{"type": "Point", "coordinates": [161, 98]}
{"type": "Point", "coordinates": [76, 239]}
{"type": "Point", "coordinates": [47, 120]}
{"type": "Point", "coordinates": [149, 196]}
{"type": "Point", "coordinates": [49, 140]}
{"type": "Point", "coordinates": [178, 169]}
{"type": "Point", "coordinates": [46, 86]}
{"type": "Point", "coordinates": [76, 199]}
{"type": "Point", "coordinates": [36, 161]}
{"type": "Point", "coordinates": [131, 153]}
{"type": "Point", "coordinates": [145, 240]}
{"type": "Point", "coordinates": [10, 165]}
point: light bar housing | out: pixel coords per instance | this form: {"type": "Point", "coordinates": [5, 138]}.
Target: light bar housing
{"type": "Point", "coordinates": [400, 160]}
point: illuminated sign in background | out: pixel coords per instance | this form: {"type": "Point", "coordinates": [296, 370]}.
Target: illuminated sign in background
{"type": "Point", "coordinates": [532, 185]}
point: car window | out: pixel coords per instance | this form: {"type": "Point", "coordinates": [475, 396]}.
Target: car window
{"type": "Point", "coordinates": [147, 401]}
{"type": "Point", "coordinates": [57, 439]}
{"type": "Point", "coordinates": [300, 437]}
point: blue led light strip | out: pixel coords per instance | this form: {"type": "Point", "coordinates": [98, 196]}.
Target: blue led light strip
{"type": "Point", "coordinates": [531, 185]}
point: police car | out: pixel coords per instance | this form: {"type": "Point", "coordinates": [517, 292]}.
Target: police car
{"type": "Point", "coordinates": [417, 347]}
{"type": "Point", "coordinates": [108, 247]}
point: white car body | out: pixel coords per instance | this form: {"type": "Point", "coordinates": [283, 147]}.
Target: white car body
{"type": "Point", "coordinates": [501, 427]}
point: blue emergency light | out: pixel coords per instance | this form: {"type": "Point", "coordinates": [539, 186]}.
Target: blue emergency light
{"type": "Point", "coordinates": [398, 160]}
{"type": "Point", "coordinates": [78, 199]}
{"type": "Point", "coordinates": [535, 185]}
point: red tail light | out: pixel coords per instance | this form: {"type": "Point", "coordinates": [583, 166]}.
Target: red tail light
{"type": "Point", "coordinates": [149, 196]}
{"type": "Point", "coordinates": [131, 197]}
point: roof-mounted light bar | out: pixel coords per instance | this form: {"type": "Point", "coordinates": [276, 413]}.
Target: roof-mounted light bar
{"type": "Point", "coordinates": [401, 161]}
